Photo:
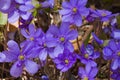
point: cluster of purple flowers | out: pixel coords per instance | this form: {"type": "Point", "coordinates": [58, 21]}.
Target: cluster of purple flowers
{"type": "Point", "coordinates": [16, 9]}
{"type": "Point", "coordinates": [86, 74]}
{"type": "Point", "coordinates": [111, 46]}
{"type": "Point", "coordinates": [22, 8]}
{"type": "Point", "coordinates": [111, 52]}
{"type": "Point", "coordinates": [56, 43]}
{"type": "Point", "coordinates": [88, 56]}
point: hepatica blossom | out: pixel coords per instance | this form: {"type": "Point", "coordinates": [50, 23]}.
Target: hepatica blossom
{"type": "Point", "coordinates": [116, 34]}
{"type": "Point", "coordinates": [104, 15]}
{"type": "Point", "coordinates": [21, 59]}
{"type": "Point", "coordinates": [45, 45]}
{"type": "Point", "coordinates": [48, 3]}
{"type": "Point", "coordinates": [56, 43]}
{"type": "Point", "coordinates": [62, 37]}
{"type": "Point", "coordinates": [112, 52]}
{"type": "Point", "coordinates": [73, 11]}
{"type": "Point", "coordinates": [44, 77]}
{"type": "Point", "coordinates": [2, 57]}
{"type": "Point", "coordinates": [116, 74]}
{"type": "Point", "coordinates": [65, 61]}
{"type": "Point", "coordinates": [16, 9]}
{"type": "Point", "coordinates": [5, 4]}
{"type": "Point", "coordinates": [88, 56]}
{"type": "Point", "coordinates": [31, 35]}
{"type": "Point", "coordinates": [99, 41]}
{"type": "Point", "coordinates": [86, 74]}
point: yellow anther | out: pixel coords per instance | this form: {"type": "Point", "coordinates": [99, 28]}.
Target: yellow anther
{"type": "Point", "coordinates": [31, 38]}
{"type": "Point", "coordinates": [62, 39]}
{"type": "Point", "coordinates": [66, 61]}
{"type": "Point", "coordinates": [86, 55]}
{"type": "Point", "coordinates": [103, 14]}
{"type": "Point", "coordinates": [21, 57]}
{"type": "Point", "coordinates": [45, 45]}
{"type": "Point", "coordinates": [85, 78]}
{"type": "Point", "coordinates": [75, 10]}
{"type": "Point", "coordinates": [118, 53]}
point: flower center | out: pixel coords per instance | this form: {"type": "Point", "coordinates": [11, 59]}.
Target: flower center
{"type": "Point", "coordinates": [85, 78]}
{"type": "Point", "coordinates": [86, 55]}
{"type": "Point", "coordinates": [103, 14]}
{"type": "Point", "coordinates": [45, 45]}
{"type": "Point", "coordinates": [66, 61]}
{"type": "Point", "coordinates": [74, 10]}
{"type": "Point", "coordinates": [21, 57]}
{"type": "Point", "coordinates": [31, 38]}
{"type": "Point", "coordinates": [62, 39]}
{"type": "Point", "coordinates": [118, 53]}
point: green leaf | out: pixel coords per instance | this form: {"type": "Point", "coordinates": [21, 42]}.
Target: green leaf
{"type": "Point", "coordinates": [36, 3]}
{"type": "Point", "coordinates": [3, 18]}
{"type": "Point", "coordinates": [87, 40]}
{"type": "Point", "coordinates": [35, 13]}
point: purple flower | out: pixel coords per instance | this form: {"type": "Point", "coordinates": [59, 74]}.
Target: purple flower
{"type": "Point", "coordinates": [2, 57]}
{"type": "Point", "coordinates": [62, 37]}
{"type": "Point", "coordinates": [104, 15]}
{"type": "Point", "coordinates": [88, 56]}
{"type": "Point", "coordinates": [116, 34]}
{"type": "Point", "coordinates": [21, 59]}
{"type": "Point", "coordinates": [65, 61]}
{"type": "Point", "coordinates": [73, 11]}
{"type": "Point", "coordinates": [112, 52]}
{"type": "Point", "coordinates": [16, 9]}
{"type": "Point", "coordinates": [45, 45]}
{"type": "Point", "coordinates": [86, 74]}
{"type": "Point", "coordinates": [91, 16]}
{"type": "Point", "coordinates": [48, 3]}
{"type": "Point", "coordinates": [5, 5]}
{"type": "Point", "coordinates": [97, 39]}
{"type": "Point", "coordinates": [116, 74]}
{"type": "Point", "coordinates": [31, 35]}
{"type": "Point", "coordinates": [113, 22]}
{"type": "Point", "coordinates": [44, 77]}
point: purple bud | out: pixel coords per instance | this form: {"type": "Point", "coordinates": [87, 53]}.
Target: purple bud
{"type": "Point", "coordinates": [116, 34]}
{"type": "Point", "coordinates": [97, 39]}
{"type": "Point", "coordinates": [44, 77]}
